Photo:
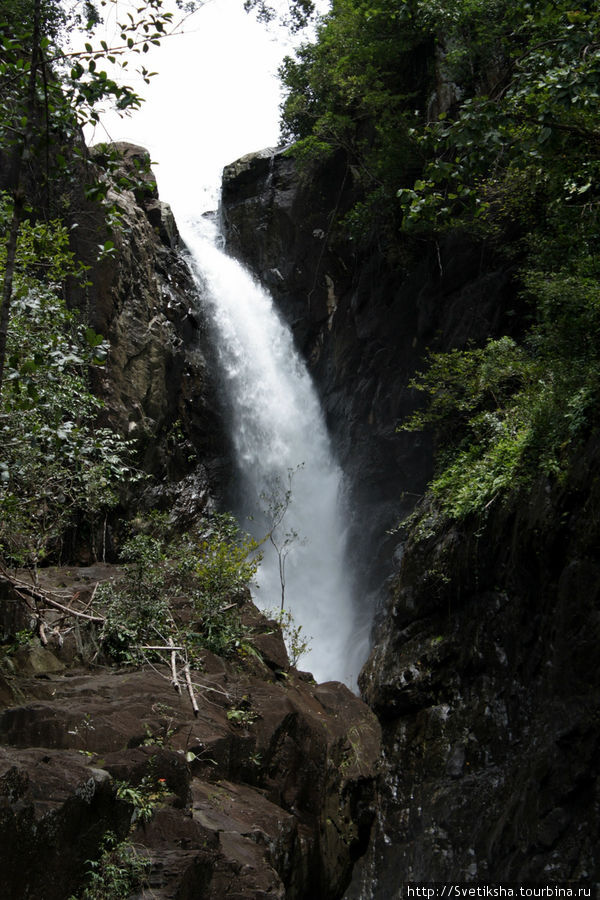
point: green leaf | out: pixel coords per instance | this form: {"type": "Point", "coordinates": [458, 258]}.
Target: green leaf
{"type": "Point", "coordinates": [92, 337]}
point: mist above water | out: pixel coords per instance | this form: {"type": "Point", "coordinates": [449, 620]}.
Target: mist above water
{"type": "Point", "coordinates": [278, 433]}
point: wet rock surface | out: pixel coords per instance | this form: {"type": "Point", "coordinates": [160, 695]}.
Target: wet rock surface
{"type": "Point", "coordinates": [267, 792]}
{"type": "Point", "coordinates": [485, 680]}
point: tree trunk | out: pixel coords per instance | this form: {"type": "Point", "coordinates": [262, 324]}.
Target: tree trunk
{"type": "Point", "coordinates": [20, 152]}
{"type": "Point", "coordinates": [11, 253]}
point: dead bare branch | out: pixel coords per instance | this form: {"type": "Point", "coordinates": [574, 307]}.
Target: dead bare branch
{"type": "Point", "coordinates": [188, 681]}
{"type": "Point", "coordinates": [175, 679]}
{"type": "Point", "coordinates": [41, 597]}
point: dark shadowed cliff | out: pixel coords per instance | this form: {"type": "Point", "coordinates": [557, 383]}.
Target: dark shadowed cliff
{"type": "Point", "coordinates": [482, 671]}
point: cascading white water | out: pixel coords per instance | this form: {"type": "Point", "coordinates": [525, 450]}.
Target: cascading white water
{"type": "Point", "coordinates": [277, 428]}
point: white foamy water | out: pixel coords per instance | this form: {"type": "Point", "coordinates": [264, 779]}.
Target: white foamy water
{"type": "Point", "coordinates": [277, 426]}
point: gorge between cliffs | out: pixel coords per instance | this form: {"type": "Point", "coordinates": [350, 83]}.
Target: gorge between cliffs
{"type": "Point", "coordinates": [471, 753]}
{"type": "Point", "coordinates": [299, 485]}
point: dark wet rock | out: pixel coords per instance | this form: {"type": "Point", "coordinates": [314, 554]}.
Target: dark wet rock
{"type": "Point", "coordinates": [267, 639]}
{"type": "Point", "coordinates": [267, 792]}
{"type": "Point", "coordinates": [54, 810]}
{"type": "Point", "coordinates": [485, 681]}
{"type": "Point", "coordinates": [183, 857]}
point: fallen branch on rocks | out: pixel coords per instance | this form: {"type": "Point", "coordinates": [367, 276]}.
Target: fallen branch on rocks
{"type": "Point", "coordinates": [170, 647]}
{"type": "Point", "coordinates": [45, 598]}
{"type": "Point", "coordinates": [41, 601]}
{"type": "Point", "coordinates": [42, 597]}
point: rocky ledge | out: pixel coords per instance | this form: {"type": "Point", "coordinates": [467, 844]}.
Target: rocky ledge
{"type": "Point", "coordinates": [267, 791]}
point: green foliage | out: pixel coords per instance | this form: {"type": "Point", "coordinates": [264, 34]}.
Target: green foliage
{"type": "Point", "coordinates": [297, 644]}
{"type": "Point", "coordinates": [211, 571]}
{"type": "Point", "coordinates": [242, 715]}
{"type": "Point", "coordinates": [464, 385]}
{"type": "Point", "coordinates": [226, 562]}
{"type": "Point", "coordinates": [506, 414]}
{"type": "Point", "coordinates": [143, 797]}
{"type": "Point", "coordinates": [23, 638]}
{"type": "Point", "coordinates": [43, 252]}
{"type": "Point", "coordinates": [76, 83]}
{"type": "Point", "coordinates": [528, 75]}
{"type": "Point", "coordinates": [473, 412]}
{"type": "Point", "coordinates": [120, 871]}
{"type": "Point", "coordinates": [354, 92]}
{"type": "Point", "coordinates": [224, 567]}
{"type": "Point", "coordinates": [295, 16]}
{"type": "Point", "coordinates": [56, 465]}
{"type": "Point", "coordinates": [137, 607]}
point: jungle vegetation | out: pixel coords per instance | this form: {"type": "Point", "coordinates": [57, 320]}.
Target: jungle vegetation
{"type": "Point", "coordinates": [478, 116]}
{"type": "Point", "coordinates": [62, 468]}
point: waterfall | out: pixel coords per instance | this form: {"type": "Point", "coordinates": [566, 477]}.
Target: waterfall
{"type": "Point", "coordinates": [280, 440]}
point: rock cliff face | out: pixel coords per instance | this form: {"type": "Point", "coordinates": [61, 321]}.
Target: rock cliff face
{"type": "Point", "coordinates": [484, 677]}
{"type": "Point", "coordinates": [361, 321]}
{"type": "Point", "coordinates": [482, 671]}
{"type": "Point", "coordinates": [157, 384]}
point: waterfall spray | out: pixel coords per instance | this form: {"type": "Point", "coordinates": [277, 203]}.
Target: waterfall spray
{"type": "Point", "coordinates": [283, 455]}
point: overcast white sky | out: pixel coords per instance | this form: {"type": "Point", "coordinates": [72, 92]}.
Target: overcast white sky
{"type": "Point", "coordinates": [216, 97]}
